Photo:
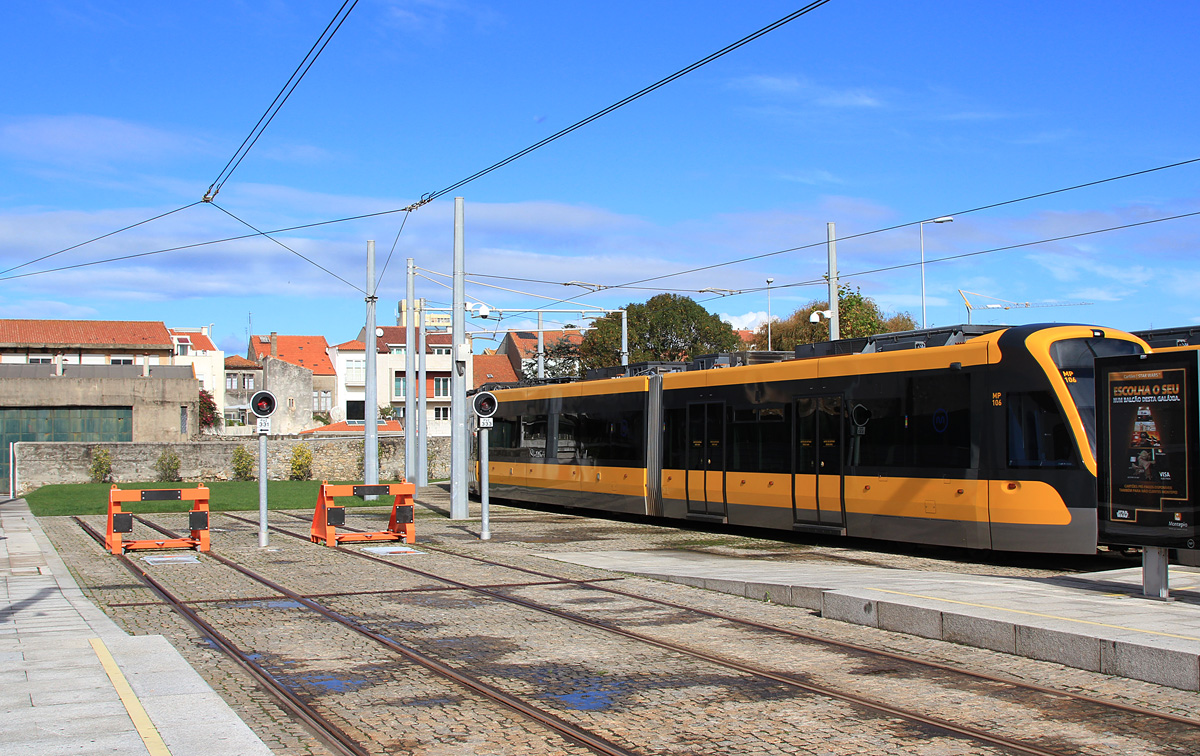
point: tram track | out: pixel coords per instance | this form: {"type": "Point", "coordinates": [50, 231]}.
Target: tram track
{"type": "Point", "coordinates": [494, 591]}
{"type": "Point", "coordinates": [879, 707]}
{"type": "Point", "coordinates": [808, 637]}
{"type": "Point", "coordinates": [322, 727]}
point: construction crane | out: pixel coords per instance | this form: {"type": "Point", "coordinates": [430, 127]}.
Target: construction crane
{"type": "Point", "coordinates": [1004, 304]}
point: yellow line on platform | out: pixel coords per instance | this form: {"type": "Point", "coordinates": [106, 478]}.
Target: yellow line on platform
{"type": "Point", "coordinates": [1038, 614]}
{"type": "Point", "coordinates": [141, 721]}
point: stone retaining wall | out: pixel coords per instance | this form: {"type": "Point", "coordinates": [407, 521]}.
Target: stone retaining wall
{"type": "Point", "coordinates": [44, 463]}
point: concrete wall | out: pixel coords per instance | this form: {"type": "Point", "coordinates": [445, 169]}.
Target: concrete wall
{"type": "Point", "coordinates": [40, 464]}
{"type": "Point", "coordinates": [292, 386]}
{"type": "Point", "coordinates": [157, 402]}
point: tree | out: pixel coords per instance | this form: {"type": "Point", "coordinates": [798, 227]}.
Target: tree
{"type": "Point", "coordinates": [561, 359]}
{"type": "Point", "coordinates": [666, 328]}
{"type": "Point", "coordinates": [858, 315]}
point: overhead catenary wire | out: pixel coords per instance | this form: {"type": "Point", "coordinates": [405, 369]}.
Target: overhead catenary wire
{"type": "Point", "coordinates": [98, 238]}
{"type": "Point", "coordinates": [949, 258]}
{"type": "Point", "coordinates": [631, 98]}
{"type": "Point", "coordinates": [281, 98]}
{"type": "Point", "coordinates": [289, 249]}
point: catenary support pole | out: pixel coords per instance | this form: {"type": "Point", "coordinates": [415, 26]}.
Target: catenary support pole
{"type": "Point", "coordinates": [410, 379]}
{"type": "Point", "coordinates": [834, 329]}
{"type": "Point", "coordinates": [371, 436]}
{"type": "Point", "coordinates": [541, 357]}
{"type": "Point", "coordinates": [422, 403]}
{"type": "Point", "coordinates": [458, 382]}
{"type": "Point", "coordinates": [625, 341]}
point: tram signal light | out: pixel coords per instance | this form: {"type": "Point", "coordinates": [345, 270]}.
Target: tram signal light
{"type": "Point", "coordinates": [263, 404]}
{"type": "Point", "coordinates": [484, 403]}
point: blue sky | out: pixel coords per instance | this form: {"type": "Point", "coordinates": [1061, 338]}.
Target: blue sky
{"type": "Point", "coordinates": [868, 114]}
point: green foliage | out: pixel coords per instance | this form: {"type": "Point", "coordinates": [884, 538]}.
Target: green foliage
{"type": "Point", "coordinates": [302, 458]}
{"type": "Point", "coordinates": [322, 417]}
{"type": "Point", "coordinates": [858, 315]}
{"type": "Point", "coordinates": [243, 464]}
{"type": "Point", "coordinates": [208, 412]}
{"type": "Point", "coordinates": [667, 327]}
{"type": "Point", "coordinates": [167, 467]}
{"type": "Point", "coordinates": [101, 469]}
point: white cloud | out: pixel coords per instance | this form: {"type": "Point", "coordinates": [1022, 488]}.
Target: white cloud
{"type": "Point", "coordinates": [748, 321]}
{"type": "Point", "coordinates": [42, 309]}
{"type": "Point", "coordinates": [93, 141]}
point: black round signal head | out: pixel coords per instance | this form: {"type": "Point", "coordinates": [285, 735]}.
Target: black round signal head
{"type": "Point", "coordinates": [484, 403]}
{"type": "Point", "coordinates": [263, 403]}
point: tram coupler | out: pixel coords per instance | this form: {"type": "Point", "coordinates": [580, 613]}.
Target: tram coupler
{"type": "Point", "coordinates": [121, 522]}
{"type": "Point", "coordinates": [328, 517]}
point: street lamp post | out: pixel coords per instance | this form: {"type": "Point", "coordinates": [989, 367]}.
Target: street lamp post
{"type": "Point", "coordinates": [769, 282]}
{"type": "Point", "coordinates": [943, 219]}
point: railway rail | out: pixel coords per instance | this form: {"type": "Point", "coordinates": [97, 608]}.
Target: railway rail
{"type": "Point", "coordinates": [1142, 720]}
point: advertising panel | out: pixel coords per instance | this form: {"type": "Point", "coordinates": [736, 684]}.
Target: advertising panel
{"type": "Point", "coordinates": [1146, 407]}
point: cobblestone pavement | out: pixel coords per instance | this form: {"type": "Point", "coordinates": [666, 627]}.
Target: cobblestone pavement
{"type": "Point", "coordinates": [650, 700]}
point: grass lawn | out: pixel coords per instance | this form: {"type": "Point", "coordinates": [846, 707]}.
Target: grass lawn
{"type": "Point", "coordinates": [224, 496]}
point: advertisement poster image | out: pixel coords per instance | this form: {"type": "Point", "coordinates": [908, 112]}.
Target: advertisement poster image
{"type": "Point", "coordinates": [1148, 434]}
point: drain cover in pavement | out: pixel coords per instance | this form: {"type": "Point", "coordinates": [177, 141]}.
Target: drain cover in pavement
{"type": "Point", "coordinates": [385, 550]}
{"type": "Point", "coordinates": [177, 559]}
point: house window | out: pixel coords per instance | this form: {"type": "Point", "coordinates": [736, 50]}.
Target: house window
{"type": "Point", "coordinates": [398, 385]}
{"type": "Point", "coordinates": [249, 382]}
{"type": "Point", "coordinates": [441, 413]}
{"type": "Point", "coordinates": [183, 419]}
{"type": "Point", "coordinates": [397, 350]}
{"type": "Point", "coordinates": [40, 359]}
{"type": "Point", "coordinates": [231, 380]}
{"type": "Point", "coordinates": [356, 372]}
{"type": "Point", "coordinates": [121, 359]}
{"type": "Point", "coordinates": [441, 388]}
{"type": "Point", "coordinates": [181, 350]}
{"type": "Point", "coordinates": [441, 350]}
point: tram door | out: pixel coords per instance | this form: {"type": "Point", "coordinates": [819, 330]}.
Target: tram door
{"type": "Point", "coordinates": [706, 459]}
{"type": "Point", "coordinates": [818, 450]}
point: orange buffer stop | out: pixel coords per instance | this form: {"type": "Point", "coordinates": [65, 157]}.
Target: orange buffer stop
{"type": "Point", "coordinates": [328, 516]}
{"type": "Point", "coordinates": [121, 522]}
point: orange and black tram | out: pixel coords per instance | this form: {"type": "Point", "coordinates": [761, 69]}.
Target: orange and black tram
{"type": "Point", "coordinates": [975, 436]}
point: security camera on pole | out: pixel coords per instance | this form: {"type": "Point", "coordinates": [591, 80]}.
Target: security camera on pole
{"type": "Point", "coordinates": [262, 404]}
{"type": "Point", "coordinates": [484, 404]}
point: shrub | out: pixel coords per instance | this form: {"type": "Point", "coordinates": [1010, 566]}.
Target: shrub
{"type": "Point", "coordinates": [302, 458]}
{"type": "Point", "coordinates": [243, 464]}
{"type": "Point", "coordinates": [167, 466]}
{"type": "Point", "coordinates": [101, 469]}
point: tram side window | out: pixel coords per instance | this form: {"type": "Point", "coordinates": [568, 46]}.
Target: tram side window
{"type": "Point", "coordinates": [674, 438]}
{"type": "Point", "coordinates": [760, 440]}
{"type": "Point", "coordinates": [503, 434]}
{"type": "Point", "coordinates": [533, 435]}
{"type": "Point", "coordinates": [567, 436]}
{"type": "Point", "coordinates": [884, 441]}
{"type": "Point", "coordinates": [615, 437]}
{"type": "Point", "coordinates": [919, 421]}
{"type": "Point", "coordinates": [940, 420]}
{"type": "Point", "coordinates": [1038, 435]}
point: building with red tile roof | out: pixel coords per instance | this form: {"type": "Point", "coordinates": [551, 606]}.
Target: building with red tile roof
{"type": "Point", "coordinates": [304, 351]}
{"type": "Point", "coordinates": [85, 342]}
{"type": "Point", "coordinates": [493, 368]}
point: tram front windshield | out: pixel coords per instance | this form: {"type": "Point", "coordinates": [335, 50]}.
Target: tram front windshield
{"type": "Point", "coordinates": [1076, 362]}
